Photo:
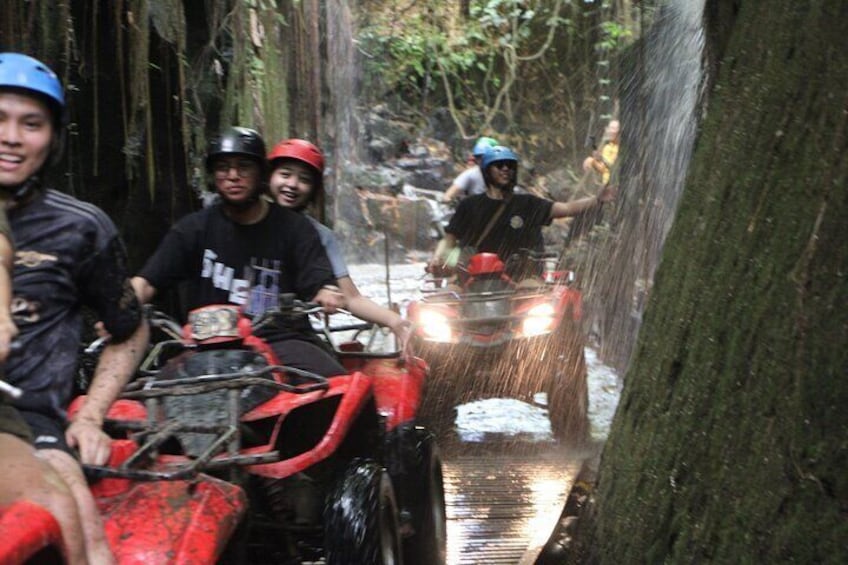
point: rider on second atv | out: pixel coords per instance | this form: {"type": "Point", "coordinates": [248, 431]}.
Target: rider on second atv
{"type": "Point", "coordinates": [296, 182]}
{"type": "Point", "coordinates": [247, 250]}
{"type": "Point", "coordinates": [470, 181]}
{"type": "Point", "coordinates": [501, 221]}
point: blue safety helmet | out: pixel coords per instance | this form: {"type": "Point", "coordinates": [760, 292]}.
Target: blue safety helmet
{"type": "Point", "coordinates": [498, 153]}
{"type": "Point", "coordinates": [483, 144]}
{"type": "Point", "coordinates": [22, 72]}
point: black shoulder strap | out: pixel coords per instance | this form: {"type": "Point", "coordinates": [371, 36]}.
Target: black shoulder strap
{"type": "Point", "coordinates": [491, 223]}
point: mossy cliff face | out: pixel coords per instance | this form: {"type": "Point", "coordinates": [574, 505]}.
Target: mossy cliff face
{"type": "Point", "coordinates": [730, 443]}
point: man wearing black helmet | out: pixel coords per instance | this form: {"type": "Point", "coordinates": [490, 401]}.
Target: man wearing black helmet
{"type": "Point", "coordinates": [68, 255]}
{"type": "Point", "coordinates": [501, 221]}
{"type": "Point", "coordinates": [246, 250]}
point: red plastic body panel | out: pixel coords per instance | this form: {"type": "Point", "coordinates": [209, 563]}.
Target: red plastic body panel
{"type": "Point", "coordinates": [397, 388]}
{"type": "Point", "coordinates": [121, 409]}
{"type": "Point", "coordinates": [172, 522]}
{"type": "Point", "coordinates": [356, 390]}
{"type": "Point", "coordinates": [25, 529]}
{"type": "Point", "coordinates": [485, 264]}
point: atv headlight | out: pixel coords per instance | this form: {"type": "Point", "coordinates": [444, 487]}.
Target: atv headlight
{"type": "Point", "coordinates": [435, 326]}
{"type": "Point", "coordinates": [539, 320]}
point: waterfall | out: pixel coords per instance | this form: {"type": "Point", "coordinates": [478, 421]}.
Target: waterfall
{"type": "Point", "coordinates": [659, 115]}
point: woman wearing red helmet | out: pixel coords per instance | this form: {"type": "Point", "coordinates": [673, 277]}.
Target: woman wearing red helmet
{"type": "Point", "coordinates": [297, 168]}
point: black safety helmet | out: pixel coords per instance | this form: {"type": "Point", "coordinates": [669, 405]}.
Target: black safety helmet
{"type": "Point", "coordinates": [237, 141]}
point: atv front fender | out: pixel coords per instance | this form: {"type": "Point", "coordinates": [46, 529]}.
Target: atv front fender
{"type": "Point", "coordinates": [28, 530]}
{"type": "Point", "coordinates": [173, 522]}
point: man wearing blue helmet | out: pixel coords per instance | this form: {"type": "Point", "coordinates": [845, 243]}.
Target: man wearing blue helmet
{"type": "Point", "coordinates": [470, 181]}
{"type": "Point", "coordinates": [502, 221]}
{"type": "Point", "coordinates": [68, 255]}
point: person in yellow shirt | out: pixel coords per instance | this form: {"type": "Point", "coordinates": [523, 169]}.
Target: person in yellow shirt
{"type": "Point", "coordinates": [597, 169]}
{"type": "Point", "coordinates": [601, 161]}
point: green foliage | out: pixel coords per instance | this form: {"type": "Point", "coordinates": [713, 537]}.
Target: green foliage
{"type": "Point", "coordinates": [434, 57]}
{"type": "Point", "coordinates": [403, 57]}
{"type": "Point", "coordinates": [615, 35]}
{"type": "Point", "coordinates": [495, 68]}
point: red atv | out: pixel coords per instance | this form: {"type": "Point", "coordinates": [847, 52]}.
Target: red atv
{"type": "Point", "coordinates": [28, 532]}
{"type": "Point", "coordinates": [485, 334]}
{"type": "Point", "coordinates": [30, 535]}
{"type": "Point", "coordinates": [221, 454]}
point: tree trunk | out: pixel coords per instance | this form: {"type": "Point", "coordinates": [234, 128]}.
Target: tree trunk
{"type": "Point", "coordinates": [729, 444]}
{"type": "Point", "coordinates": [465, 9]}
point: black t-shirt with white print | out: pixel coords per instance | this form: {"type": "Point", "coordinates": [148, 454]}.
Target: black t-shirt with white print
{"type": "Point", "coordinates": [68, 254]}
{"type": "Point", "coordinates": [519, 225]}
{"type": "Point", "coordinates": [224, 262]}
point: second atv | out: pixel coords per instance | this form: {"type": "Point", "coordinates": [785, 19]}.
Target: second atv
{"type": "Point", "coordinates": [485, 334]}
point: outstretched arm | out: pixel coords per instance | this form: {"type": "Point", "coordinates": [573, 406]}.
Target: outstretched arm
{"type": "Point", "coordinates": [330, 297]}
{"type": "Point", "coordinates": [117, 364]}
{"type": "Point", "coordinates": [451, 193]}
{"type": "Point", "coordinates": [443, 249]}
{"type": "Point", "coordinates": [575, 207]}
{"type": "Point", "coordinates": [368, 310]}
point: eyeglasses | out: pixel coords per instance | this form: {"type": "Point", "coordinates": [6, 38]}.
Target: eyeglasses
{"type": "Point", "coordinates": [243, 167]}
{"type": "Point", "coordinates": [504, 165]}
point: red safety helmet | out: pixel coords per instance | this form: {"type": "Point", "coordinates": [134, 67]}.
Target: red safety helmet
{"type": "Point", "coordinates": [300, 150]}
{"type": "Point", "coordinates": [308, 153]}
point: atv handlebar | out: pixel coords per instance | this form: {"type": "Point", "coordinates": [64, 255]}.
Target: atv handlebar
{"type": "Point", "coordinates": [289, 307]}
{"type": "Point", "coordinates": [150, 388]}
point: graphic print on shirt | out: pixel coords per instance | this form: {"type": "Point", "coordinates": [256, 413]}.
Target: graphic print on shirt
{"type": "Point", "coordinates": [258, 289]}
{"type": "Point", "coordinates": [265, 291]}
{"type": "Point", "coordinates": [32, 259]}
{"type": "Point", "coordinates": [23, 309]}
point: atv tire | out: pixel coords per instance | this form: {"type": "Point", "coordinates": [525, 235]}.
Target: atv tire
{"type": "Point", "coordinates": [361, 518]}
{"type": "Point", "coordinates": [416, 470]}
